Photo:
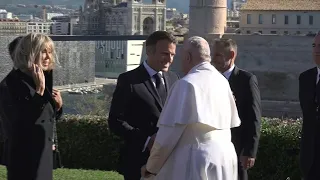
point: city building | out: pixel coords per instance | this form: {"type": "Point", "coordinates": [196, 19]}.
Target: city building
{"type": "Point", "coordinates": [5, 15]}
{"type": "Point", "coordinates": [64, 25]}
{"type": "Point", "coordinates": [237, 4]}
{"type": "Point", "coordinates": [39, 27]}
{"type": "Point", "coordinates": [294, 17]}
{"type": "Point", "coordinates": [49, 16]}
{"type": "Point", "coordinates": [24, 17]}
{"type": "Point", "coordinates": [115, 17]}
{"type": "Point", "coordinates": [171, 13]}
{"type": "Point", "coordinates": [233, 14]}
{"type": "Point", "coordinates": [12, 27]}
{"type": "Point", "coordinates": [61, 28]}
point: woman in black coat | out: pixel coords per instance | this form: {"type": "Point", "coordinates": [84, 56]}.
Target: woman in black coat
{"type": "Point", "coordinates": [29, 108]}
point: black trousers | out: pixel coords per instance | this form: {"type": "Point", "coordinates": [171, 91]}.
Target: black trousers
{"type": "Point", "coordinates": [314, 173]}
{"type": "Point", "coordinates": [242, 172]}
{"type": "Point", "coordinates": [133, 175]}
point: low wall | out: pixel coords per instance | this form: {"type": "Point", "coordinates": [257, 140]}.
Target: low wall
{"type": "Point", "coordinates": [276, 60]}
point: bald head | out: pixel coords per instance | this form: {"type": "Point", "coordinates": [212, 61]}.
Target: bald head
{"type": "Point", "coordinates": [199, 49]}
{"type": "Point", "coordinates": [316, 49]}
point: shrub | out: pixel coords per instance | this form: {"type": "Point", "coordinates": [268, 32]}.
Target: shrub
{"type": "Point", "coordinates": [86, 142]}
{"type": "Point", "coordinates": [278, 156]}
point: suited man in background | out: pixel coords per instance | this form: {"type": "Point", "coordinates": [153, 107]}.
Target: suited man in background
{"type": "Point", "coordinates": [138, 100]}
{"type": "Point", "coordinates": [309, 96]}
{"type": "Point", "coordinates": [4, 141]}
{"type": "Point", "coordinates": [244, 86]}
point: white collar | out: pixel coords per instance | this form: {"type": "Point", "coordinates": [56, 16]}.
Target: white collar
{"type": "Point", "coordinates": [228, 72]}
{"type": "Point", "coordinates": [150, 71]}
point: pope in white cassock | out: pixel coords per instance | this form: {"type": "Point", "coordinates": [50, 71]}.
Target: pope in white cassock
{"type": "Point", "coordinates": [194, 139]}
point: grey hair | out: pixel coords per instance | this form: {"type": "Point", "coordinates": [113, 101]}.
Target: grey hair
{"type": "Point", "coordinates": [29, 49]}
{"type": "Point", "coordinates": [227, 44]}
{"type": "Point", "coordinates": [201, 46]}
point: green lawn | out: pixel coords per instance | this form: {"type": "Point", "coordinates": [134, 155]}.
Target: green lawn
{"type": "Point", "coordinates": [76, 174]}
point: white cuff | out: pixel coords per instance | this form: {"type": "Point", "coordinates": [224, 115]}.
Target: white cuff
{"type": "Point", "coordinates": [146, 144]}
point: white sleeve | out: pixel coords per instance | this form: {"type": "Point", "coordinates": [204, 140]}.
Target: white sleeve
{"type": "Point", "coordinates": [166, 139]}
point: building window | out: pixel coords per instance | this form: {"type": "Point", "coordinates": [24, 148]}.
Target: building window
{"type": "Point", "coordinates": [274, 19]}
{"type": "Point", "coordinates": [273, 32]}
{"type": "Point", "coordinates": [310, 20]}
{"type": "Point", "coordinates": [286, 19]}
{"type": "Point", "coordinates": [298, 19]}
{"type": "Point", "coordinates": [248, 18]}
{"type": "Point", "coordinates": [260, 19]}
{"type": "Point", "coordinates": [248, 32]}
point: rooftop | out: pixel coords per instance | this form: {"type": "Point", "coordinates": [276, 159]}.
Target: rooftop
{"type": "Point", "coordinates": [282, 5]}
{"type": "Point", "coordinates": [9, 20]}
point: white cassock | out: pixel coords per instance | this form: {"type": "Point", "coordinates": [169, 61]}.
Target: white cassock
{"type": "Point", "coordinates": [194, 139]}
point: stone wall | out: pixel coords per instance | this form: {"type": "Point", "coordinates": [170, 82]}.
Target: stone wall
{"type": "Point", "coordinates": [77, 60]}
{"type": "Point", "coordinates": [277, 62]}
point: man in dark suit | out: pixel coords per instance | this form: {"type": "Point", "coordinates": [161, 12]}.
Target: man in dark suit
{"type": "Point", "coordinates": [309, 96]}
{"type": "Point", "coordinates": [138, 100]}
{"type": "Point", "coordinates": [244, 86]}
{"type": "Point", "coordinates": [4, 141]}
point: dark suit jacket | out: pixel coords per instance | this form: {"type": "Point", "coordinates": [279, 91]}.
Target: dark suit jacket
{"type": "Point", "coordinates": [307, 91]}
{"type": "Point", "coordinates": [28, 124]}
{"type": "Point", "coordinates": [246, 91]}
{"type": "Point", "coordinates": [134, 113]}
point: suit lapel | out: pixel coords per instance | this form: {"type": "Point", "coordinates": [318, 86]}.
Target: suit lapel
{"type": "Point", "coordinates": [313, 80]}
{"type": "Point", "coordinates": [233, 75]}
{"type": "Point", "coordinates": [167, 81]}
{"type": "Point", "coordinates": [153, 91]}
{"type": "Point", "coordinates": [148, 83]}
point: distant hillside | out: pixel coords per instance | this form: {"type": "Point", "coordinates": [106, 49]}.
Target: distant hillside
{"type": "Point", "coordinates": [49, 2]}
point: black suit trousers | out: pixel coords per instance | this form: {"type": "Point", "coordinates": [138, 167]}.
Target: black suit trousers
{"type": "Point", "coordinates": [242, 172]}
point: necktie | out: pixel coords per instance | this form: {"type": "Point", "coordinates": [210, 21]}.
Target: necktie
{"type": "Point", "coordinates": [160, 88]}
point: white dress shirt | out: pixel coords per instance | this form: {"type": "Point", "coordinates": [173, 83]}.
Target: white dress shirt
{"type": "Point", "coordinates": [228, 72]}
{"type": "Point", "coordinates": [151, 72]}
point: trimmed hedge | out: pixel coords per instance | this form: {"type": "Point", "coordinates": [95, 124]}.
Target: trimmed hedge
{"type": "Point", "coordinates": [85, 142]}
{"type": "Point", "coordinates": [278, 153]}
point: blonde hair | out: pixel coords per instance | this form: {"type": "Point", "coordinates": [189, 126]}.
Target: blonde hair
{"type": "Point", "coordinates": [29, 51]}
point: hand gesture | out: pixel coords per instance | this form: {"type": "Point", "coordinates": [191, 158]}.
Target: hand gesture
{"type": "Point", "coordinates": [247, 162]}
{"type": "Point", "coordinates": [38, 78]}
{"type": "Point", "coordinates": [57, 98]}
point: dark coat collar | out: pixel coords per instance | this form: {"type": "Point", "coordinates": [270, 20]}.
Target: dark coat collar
{"type": "Point", "coordinates": [150, 86]}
